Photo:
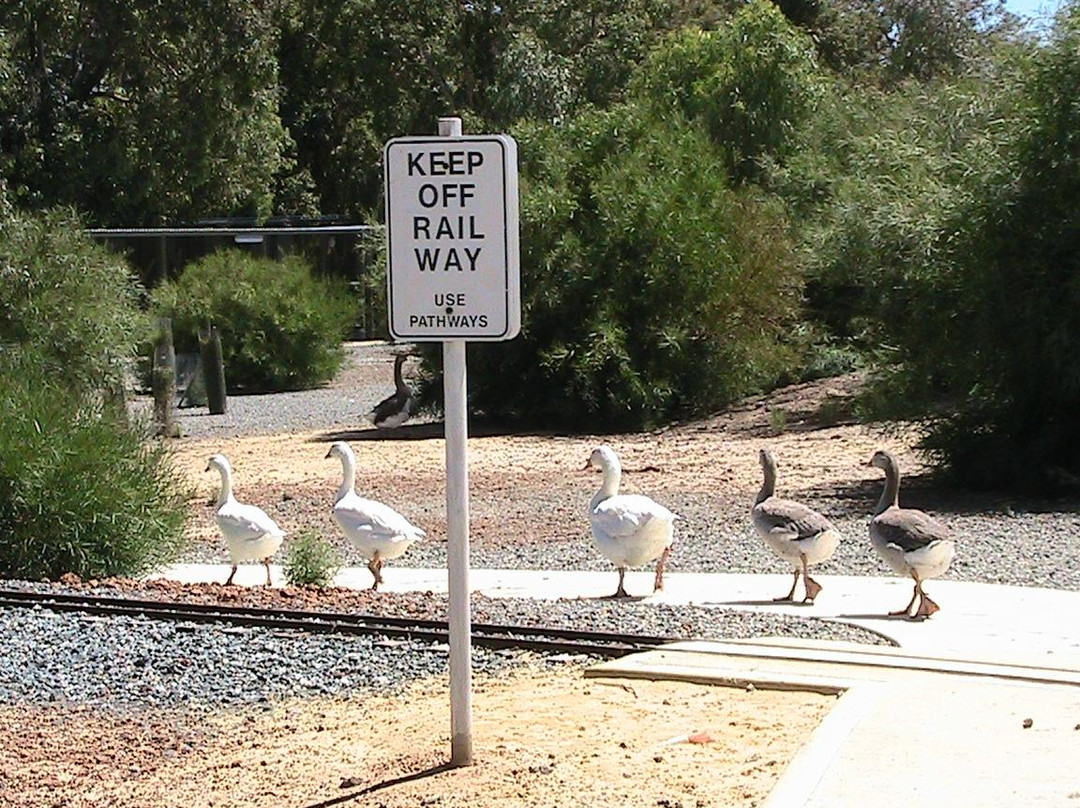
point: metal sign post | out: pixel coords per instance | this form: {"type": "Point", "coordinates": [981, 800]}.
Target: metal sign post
{"type": "Point", "coordinates": [453, 275]}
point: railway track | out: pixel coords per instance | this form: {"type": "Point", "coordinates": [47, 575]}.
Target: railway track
{"type": "Point", "coordinates": [539, 639]}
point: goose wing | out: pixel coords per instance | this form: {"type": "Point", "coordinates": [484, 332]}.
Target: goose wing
{"type": "Point", "coordinates": [790, 520]}
{"type": "Point", "coordinates": [399, 402]}
{"type": "Point", "coordinates": [625, 514]}
{"type": "Point", "coordinates": [359, 515]}
{"type": "Point", "coordinates": [246, 522]}
{"type": "Point", "coordinates": [909, 530]}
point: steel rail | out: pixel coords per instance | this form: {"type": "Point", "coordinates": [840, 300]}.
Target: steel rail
{"type": "Point", "coordinates": [536, 638]}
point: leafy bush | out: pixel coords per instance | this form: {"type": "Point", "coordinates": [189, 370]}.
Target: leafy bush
{"type": "Point", "coordinates": [311, 561]}
{"type": "Point", "coordinates": [81, 490]}
{"type": "Point", "coordinates": [650, 288]}
{"type": "Point", "coordinates": [281, 328]}
{"type": "Point", "coordinates": [70, 301]}
{"type": "Point", "coordinates": [1007, 350]}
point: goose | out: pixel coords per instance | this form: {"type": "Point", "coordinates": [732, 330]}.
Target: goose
{"type": "Point", "coordinates": [910, 541]}
{"type": "Point", "coordinates": [378, 531]}
{"type": "Point", "coordinates": [798, 534]}
{"type": "Point", "coordinates": [628, 529]}
{"type": "Point", "coordinates": [249, 533]}
{"type": "Point", "coordinates": [393, 410]}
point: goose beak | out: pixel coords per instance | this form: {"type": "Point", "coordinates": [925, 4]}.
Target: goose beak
{"type": "Point", "coordinates": [329, 452]}
{"type": "Point", "coordinates": [588, 465]}
{"type": "Point", "coordinates": [207, 467]}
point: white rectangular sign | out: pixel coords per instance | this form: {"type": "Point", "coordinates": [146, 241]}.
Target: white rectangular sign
{"type": "Point", "coordinates": [452, 238]}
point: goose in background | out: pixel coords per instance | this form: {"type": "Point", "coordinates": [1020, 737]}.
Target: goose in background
{"type": "Point", "coordinates": [395, 409]}
{"type": "Point", "coordinates": [910, 541]}
{"type": "Point", "coordinates": [377, 531]}
{"type": "Point", "coordinates": [249, 533]}
{"type": "Point", "coordinates": [798, 534]}
{"type": "Point", "coordinates": [629, 529]}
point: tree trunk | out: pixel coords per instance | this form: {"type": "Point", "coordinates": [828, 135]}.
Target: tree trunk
{"type": "Point", "coordinates": [213, 370]}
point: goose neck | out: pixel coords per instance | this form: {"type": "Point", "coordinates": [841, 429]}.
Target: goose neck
{"type": "Point", "coordinates": [399, 379]}
{"type": "Point", "coordinates": [610, 485]}
{"type": "Point", "coordinates": [348, 479]}
{"type": "Point", "coordinates": [890, 496]}
{"type": "Point", "coordinates": [768, 486]}
{"type": "Point", "coordinates": [225, 494]}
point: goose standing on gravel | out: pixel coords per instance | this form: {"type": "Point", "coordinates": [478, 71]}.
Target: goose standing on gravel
{"type": "Point", "coordinates": [911, 542]}
{"type": "Point", "coordinates": [393, 410]}
{"type": "Point", "coordinates": [377, 531]}
{"type": "Point", "coordinates": [249, 533]}
{"type": "Point", "coordinates": [629, 529]}
{"type": "Point", "coordinates": [799, 535]}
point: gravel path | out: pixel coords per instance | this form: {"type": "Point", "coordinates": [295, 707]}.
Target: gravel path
{"type": "Point", "coordinates": [123, 663]}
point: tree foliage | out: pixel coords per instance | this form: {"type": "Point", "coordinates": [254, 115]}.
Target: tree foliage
{"type": "Point", "coordinates": [753, 84]}
{"type": "Point", "coordinates": [142, 113]}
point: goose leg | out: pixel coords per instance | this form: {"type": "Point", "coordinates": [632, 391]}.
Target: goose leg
{"type": "Point", "coordinates": [906, 611]}
{"type": "Point", "coordinates": [621, 591]}
{"type": "Point", "coordinates": [266, 563]}
{"type": "Point", "coordinates": [375, 565]}
{"type": "Point", "coordinates": [812, 586]}
{"type": "Point", "coordinates": [926, 606]}
{"type": "Point", "coordinates": [231, 574]}
{"type": "Point", "coordinates": [659, 582]}
{"type": "Point", "coordinates": [790, 595]}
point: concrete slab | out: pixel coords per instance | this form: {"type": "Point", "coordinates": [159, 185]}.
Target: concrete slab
{"type": "Point", "coordinates": [939, 740]}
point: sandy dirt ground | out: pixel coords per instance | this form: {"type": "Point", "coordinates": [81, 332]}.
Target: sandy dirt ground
{"type": "Point", "coordinates": [574, 741]}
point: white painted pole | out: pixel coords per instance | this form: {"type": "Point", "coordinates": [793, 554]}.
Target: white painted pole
{"type": "Point", "coordinates": [457, 532]}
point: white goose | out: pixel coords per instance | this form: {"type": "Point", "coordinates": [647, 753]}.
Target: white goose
{"type": "Point", "coordinates": [378, 531]}
{"type": "Point", "coordinates": [799, 535]}
{"type": "Point", "coordinates": [629, 529]}
{"type": "Point", "coordinates": [249, 533]}
{"type": "Point", "coordinates": [910, 541]}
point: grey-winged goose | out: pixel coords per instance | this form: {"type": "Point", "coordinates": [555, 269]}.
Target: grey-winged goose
{"type": "Point", "coordinates": [910, 541]}
{"type": "Point", "coordinates": [393, 410]}
{"type": "Point", "coordinates": [798, 534]}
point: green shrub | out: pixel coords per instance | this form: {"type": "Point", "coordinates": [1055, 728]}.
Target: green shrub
{"type": "Point", "coordinates": [650, 288]}
{"type": "Point", "coordinates": [81, 490]}
{"type": "Point", "coordinates": [311, 561]}
{"type": "Point", "coordinates": [1004, 351]}
{"type": "Point", "coordinates": [281, 327]}
{"type": "Point", "coordinates": [69, 300]}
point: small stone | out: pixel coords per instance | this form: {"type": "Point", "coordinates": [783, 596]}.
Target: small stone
{"type": "Point", "coordinates": [750, 687]}
{"type": "Point", "coordinates": [1028, 723]}
{"type": "Point", "coordinates": [350, 782]}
